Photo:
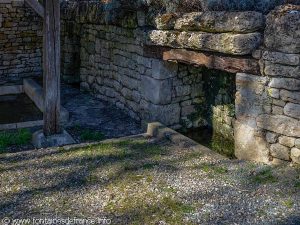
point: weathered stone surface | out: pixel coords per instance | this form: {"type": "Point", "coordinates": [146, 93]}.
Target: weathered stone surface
{"type": "Point", "coordinates": [282, 31]}
{"type": "Point", "coordinates": [295, 155]}
{"type": "Point", "coordinates": [236, 44]}
{"type": "Point", "coordinates": [166, 21]}
{"type": "Point", "coordinates": [166, 114]}
{"type": "Point", "coordinates": [221, 22]}
{"type": "Point", "coordinates": [156, 91]}
{"type": "Point", "coordinates": [250, 97]}
{"type": "Point", "coordinates": [290, 96]}
{"type": "Point", "coordinates": [271, 137]}
{"type": "Point", "coordinates": [274, 93]}
{"type": "Point", "coordinates": [279, 151]}
{"type": "Point", "coordinates": [285, 83]}
{"type": "Point", "coordinates": [287, 141]}
{"type": "Point", "coordinates": [41, 141]}
{"type": "Point", "coordinates": [292, 110]}
{"type": "Point", "coordinates": [279, 124]}
{"type": "Point", "coordinates": [297, 143]}
{"type": "Point", "coordinates": [162, 70]}
{"type": "Point", "coordinates": [272, 69]}
{"type": "Point", "coordinates": [277, 110]}
{"type": "Point", "coordinates": [281, 58]}
{"type": "Point", "coordinates": [249, 145]}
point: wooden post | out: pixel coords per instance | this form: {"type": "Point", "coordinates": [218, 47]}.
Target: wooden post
{"type": "Point", "coordinates": [51, 66]}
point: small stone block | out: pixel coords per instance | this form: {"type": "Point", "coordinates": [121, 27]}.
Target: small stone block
{"type": "Point", "coordinates": [39, 140]}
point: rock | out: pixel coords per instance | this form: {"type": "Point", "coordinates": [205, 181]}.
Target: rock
{"type": "Point", "coordinates": [282, 31]}
{"type": "Point", "coordinates": [279, 151]}
{"type": "Point", "coordinates": [292, 110]}
{"type": "Point", "coordinates": [274, 93]}
{"type": "Point", "coordinates": [162, 70]}
{"type": "Point", "coordinates": [297, 143]}
{"type": "Point", "coordinates": [287, 141]}
{"type": "Point", "coordinates": [248, 145]}
{"type": "Point", "coordinates": [250, 97]}
{"type": "Point", "coordinates": [187, 110]}
{"type": "Point", "coordinates": [271, 137]}
{"type": "Point", "coordinates": [272, 69]}
{"type": "Point", "coordinates": [39, 140]}
{"type": "Point", "coordinates": [281, 58]}
{"type": "Point", "coordinates": [279, 124]}
{"type": "Point", "coordinates": [290, 96]}
{"type": "Point", "coordinates": [277, 110]}
{"type": "Point", "coordinates": [156, 91]}
{"type": "Point", "coordinates": [221, 22]}
{"type": "Point", "coordinates": [166, 21]}
{"type": "Point", "coordinates": [295, 155]}
{"type": "Point", "coordinates": [235, 44]}
{"type": "Point", "coordinates": [285, 83]}
{"type": "Point", "coordinates": [166, 114]}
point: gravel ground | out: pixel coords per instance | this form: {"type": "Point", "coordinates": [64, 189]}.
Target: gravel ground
{"type": "Point", "coordinates": [145, 181]}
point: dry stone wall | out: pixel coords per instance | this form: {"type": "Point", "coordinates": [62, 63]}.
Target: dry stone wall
{"type": "Point", "coordinates": [269, 105]}
{"type": "Point", "coordinates": [260, 112]}
{"type": "Point", "coordinates": [116, 54]}
{"type": "Point", "coordinates": [20, 40]}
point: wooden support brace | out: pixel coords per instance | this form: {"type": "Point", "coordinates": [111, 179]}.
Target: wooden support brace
{"type": "Point", "coordinates": [232, 64]}
{"type": "Point", "coordinates": [51, 66]}
{"type": "Point", "coordinates": [38, 8]}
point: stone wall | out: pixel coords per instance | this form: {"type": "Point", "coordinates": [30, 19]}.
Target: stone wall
{"type": "Point", "coordinates": [20, 40]}
{"type": "Point", "coordinates": [116, 54]}
{"type": "Point", "coordinates": [116, 65]}
{"type": "Point", "coordinates": [268, 106]}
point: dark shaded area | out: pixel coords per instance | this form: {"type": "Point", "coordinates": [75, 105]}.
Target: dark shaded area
{"type": "Point", "coordinates": [214, 141]}
{"type": "Point", "coordinates": [219, 89]}
{"type": "Point", "coordinates": [18, 108]}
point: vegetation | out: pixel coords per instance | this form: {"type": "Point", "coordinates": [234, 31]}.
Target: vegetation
{"type": "Point", "coordinates": [16, 138]}
{"type": "Point", "coordinates": [91, 135]}
{"type": "Point", "coordinates": [264, 176]}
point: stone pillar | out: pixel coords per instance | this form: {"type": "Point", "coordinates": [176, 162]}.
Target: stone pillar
{"type": "Point", "coordinates": [251, 101]}
{"type": "Point", "coordinates": [268, 106]}
{"type": "Point", "coordinates": [156, 91]}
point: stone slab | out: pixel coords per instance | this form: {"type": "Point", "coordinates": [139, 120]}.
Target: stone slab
{"type": "Point", "coordinates": [249, 145]}
{"type": "Point", "coordinates": [282, 31]}
{"type": "Point", "coordinates": [35, 92]}
{"type": "Point", "coordinates": [156, 91]}
{"type": "Point", "coordinates": [221, 22]}
{"type": "Point", "coordinates": [39, 140]}
{"type": "Point", "coordinates": [21, 125]}
{"type": "Point", "coordinates": [235, 44]}
{"type": "Point", "coordinates": [279, 124]}
{"type": "Point", "coordinates": [11, 90]}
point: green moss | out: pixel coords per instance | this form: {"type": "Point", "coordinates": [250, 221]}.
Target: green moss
{"type": "Point", "coordinates": [223, 145]}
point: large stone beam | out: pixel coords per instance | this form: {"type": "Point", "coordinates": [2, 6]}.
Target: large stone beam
{"type": "Point", "coordinates": [227, 43]}
{"type": "Point", "coordinates": [38, 8]}
{"type": "Point", "coordinates": [226, 63]}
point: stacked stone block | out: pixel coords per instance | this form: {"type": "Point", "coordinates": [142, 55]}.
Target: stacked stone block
{"type": "Point", "coordinates": [20, 40]}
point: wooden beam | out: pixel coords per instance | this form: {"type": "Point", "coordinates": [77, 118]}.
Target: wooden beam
{"type": "Point", "coordinates": [232, 64]}
{"type": "Point", "coordinates": [38, 8]}
{"type": "Point", "coordinates": [51, 66]}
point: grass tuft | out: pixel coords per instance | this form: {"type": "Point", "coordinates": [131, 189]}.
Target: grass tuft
{"type": "Point", "coordinates": [264, 176]}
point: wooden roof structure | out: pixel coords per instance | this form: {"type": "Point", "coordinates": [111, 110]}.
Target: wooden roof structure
{"type": "Point", "coordinates": [50, 12]}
